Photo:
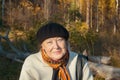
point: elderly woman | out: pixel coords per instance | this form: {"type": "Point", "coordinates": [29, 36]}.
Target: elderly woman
{"type": "Point", "coordinates": [54, 61]}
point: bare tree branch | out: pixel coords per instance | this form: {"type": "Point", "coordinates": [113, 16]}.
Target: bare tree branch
{"type": "Point", "coordinates": [105, 71]}
{"type": "Point", "coordinates": [97, 59]}
{"type": "Point", "coordinates": [17, 55]}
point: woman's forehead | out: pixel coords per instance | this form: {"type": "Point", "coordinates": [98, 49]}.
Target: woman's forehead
{"type": "Point", "coordinates": [53, 38]}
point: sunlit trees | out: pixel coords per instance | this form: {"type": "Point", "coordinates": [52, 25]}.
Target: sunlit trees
{"type": "Point", "coordinates": [85, 19]}
{"type": "Point", "coordinates": [99, 15]}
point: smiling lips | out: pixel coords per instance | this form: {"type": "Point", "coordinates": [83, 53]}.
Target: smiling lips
{"type": "Point", "coordinates": [57, 52]}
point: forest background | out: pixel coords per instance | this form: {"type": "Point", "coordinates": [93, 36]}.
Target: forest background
{"type": "Point", "coordinates": [94, 25]}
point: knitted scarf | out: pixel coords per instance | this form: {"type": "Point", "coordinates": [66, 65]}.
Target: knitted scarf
{"type": "Point", "coordinates": [58, 65]}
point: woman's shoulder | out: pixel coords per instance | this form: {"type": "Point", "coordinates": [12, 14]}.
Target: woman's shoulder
{"type": "Point", "coordinates": [33, 58]}
{"type": "Point", "coordinates": [75, 56]}
{"type": "Point", "coordinates": [72, 56]}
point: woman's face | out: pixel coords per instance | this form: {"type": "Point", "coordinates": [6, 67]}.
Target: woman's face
{"type": "Point", "coordinates": [55, 47]}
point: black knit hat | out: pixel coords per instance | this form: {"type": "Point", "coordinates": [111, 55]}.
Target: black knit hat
{"type": "Point", "coordinates": [51, 30]}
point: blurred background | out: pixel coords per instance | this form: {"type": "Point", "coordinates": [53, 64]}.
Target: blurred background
{"type": "Point", "coordinates": [94, 25]}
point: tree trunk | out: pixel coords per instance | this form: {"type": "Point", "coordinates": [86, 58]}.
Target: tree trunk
{"type": "Point", "coordinates": [97, 28]}
{"type": "Point", "coordinates": [47, 9]}
{"type": "Point", "coordinates": [3, 6]}
{"type": "Point", "coordinates": [115, 17]}
{"type": "Point", "coordinates": [88, 13]}
{"type": "Point", "coordinates": [91, 15]}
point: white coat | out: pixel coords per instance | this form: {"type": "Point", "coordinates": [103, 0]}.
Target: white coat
{"type": "Point", "coordinates": [34, 68]}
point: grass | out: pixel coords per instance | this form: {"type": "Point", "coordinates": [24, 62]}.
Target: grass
{"type": "Point", "coordinates": [115, 58]}
{"type": "Point", "coordinates": [9, 70]}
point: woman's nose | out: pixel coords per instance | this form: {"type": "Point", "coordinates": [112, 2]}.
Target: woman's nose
{"type": "Point", "coordinates": [56, 44]}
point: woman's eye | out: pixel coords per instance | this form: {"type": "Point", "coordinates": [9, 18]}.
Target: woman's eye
{"type": "Point", "coordinates": [60, 39]}
{"type": "Point", "coordinates": [49, 42]}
